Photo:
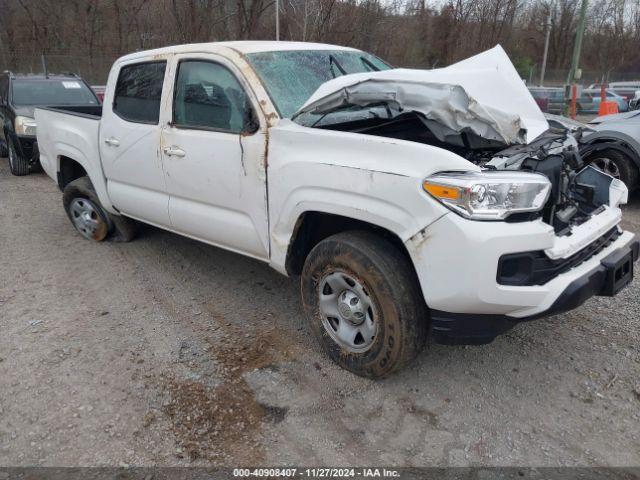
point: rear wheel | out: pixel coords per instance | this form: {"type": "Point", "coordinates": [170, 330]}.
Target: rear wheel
{"type": "Point", "coordinates": [364, 303]}
{"type": "Point", "coordinates": [90, 219]}
{"type": "Point", "coordinates": [616, 164]}
{"type": "Point", "coordinates": [84, 210]}
{"type": "Point", "coordinates": [18, 165]}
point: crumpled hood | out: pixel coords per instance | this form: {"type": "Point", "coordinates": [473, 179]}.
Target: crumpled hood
{"type": "Point", "coordinates": [483, 94]}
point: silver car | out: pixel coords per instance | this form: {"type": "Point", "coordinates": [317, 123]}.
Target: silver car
{"type": "Point", "coordinates": [610, 143]}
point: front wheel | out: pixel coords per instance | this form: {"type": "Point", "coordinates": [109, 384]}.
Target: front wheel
{"type": "Point", "coordinates": [18, 165]}
{"type": "Point", "coordinates": [364, 303]}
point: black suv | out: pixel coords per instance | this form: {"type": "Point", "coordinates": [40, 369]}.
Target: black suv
{"type": "Point", "coordinates": [19, 97]}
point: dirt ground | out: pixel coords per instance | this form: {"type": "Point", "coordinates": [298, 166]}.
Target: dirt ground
{"type": "Point", "coordinates": [165, 351]}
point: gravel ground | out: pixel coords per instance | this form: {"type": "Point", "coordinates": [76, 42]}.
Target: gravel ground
{"type": "Point", "coordinates": [165, 351]}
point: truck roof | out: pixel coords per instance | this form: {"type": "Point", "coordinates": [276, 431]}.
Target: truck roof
{"type": "Point", "coordinates": [242, 47]}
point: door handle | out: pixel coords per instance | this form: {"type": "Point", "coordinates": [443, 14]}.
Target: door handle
{"type": "Point", "coordinates": [112, 142]}
{"type": "Point", "coordinates": [174, 152]}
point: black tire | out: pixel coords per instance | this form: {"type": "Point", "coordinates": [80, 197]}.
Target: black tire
{"type": "Point", "coordinates": [4, 152]}
{"type": "Point", "coordinates": [124, 229]}
{"type": "Point", "coordinates": [36, 167]}
{"type": "Point", "coordinates": [390, 283]}
{"type": "Point", "coordinates": [112, 227]}
{"type": "Point", "coordinates": [18, 165]}
{"type": "Point", "coordinates": [623, 166]}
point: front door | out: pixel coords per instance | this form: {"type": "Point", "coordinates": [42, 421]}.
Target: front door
{"type": "Point", "coordinates": [129, 138]}
{"type": "Point", "coordinates": [215, 171]}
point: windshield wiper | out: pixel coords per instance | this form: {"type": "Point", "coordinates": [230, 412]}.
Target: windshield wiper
{"type": "Point", "coordinates": [332, 62]}
{"type": "Point", "coordinates": [371, 66]}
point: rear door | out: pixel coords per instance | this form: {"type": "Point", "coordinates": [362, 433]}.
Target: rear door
{"type": "Point", "coordinates": [130, 141]}
{"type": "Point", "coordinates": [214, 166]}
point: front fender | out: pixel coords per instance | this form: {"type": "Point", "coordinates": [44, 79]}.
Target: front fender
{"type": "Point", "coordinates": [612, 139]}
{"type": "Point", "coordinates": [371, 179]}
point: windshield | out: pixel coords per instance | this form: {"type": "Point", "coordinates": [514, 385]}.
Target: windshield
{"type": "Point", "coordinates": [51, 92]}
{"type": "Point", "coordinates": [290, 77]}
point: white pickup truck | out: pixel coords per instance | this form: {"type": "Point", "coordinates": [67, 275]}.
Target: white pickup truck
{"type": "Point", "coordinates": [410, 202]}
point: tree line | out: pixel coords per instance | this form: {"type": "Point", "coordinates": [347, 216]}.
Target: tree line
{"type": "Point", "coordinates": [411, 33]}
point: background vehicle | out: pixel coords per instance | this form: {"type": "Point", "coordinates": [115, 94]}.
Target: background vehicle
{"type": "Point", "coordinates": [614, 146]}
{"type": "Point", "coordinates": [19, 96]}
{"type": "Point", "coordinates": [609, 143]}
{"type": "Point", "coordinates": [634, 103]}
{"type": "Point", "coordinates": [550, 100]}
{"type": "Point", "coordinates": [589, 101]}
{"type": "Point", "coordinates": [624, 89]}
{"type": "Point", "coordinates": [365, 181]}
{"type": "Point", "coordinates": [99, 91]}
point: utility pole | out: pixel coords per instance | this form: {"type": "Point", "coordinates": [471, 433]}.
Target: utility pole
{"type": "Point", "coordinates": [573, 73]}
{"type": "Point", "coordinates": [546, 46]}
{"type": "Point", "coordinates": [277, 20]}
{"type": "Point", "coordinates": [578, 45]}
{"type": "Point", "coordinates": [44, 65]}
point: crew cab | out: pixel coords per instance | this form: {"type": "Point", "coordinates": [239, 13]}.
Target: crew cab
{"type": "Point", "coordinates": [409, 202]}
{"type": "Point", "coordinates": [19, 96]}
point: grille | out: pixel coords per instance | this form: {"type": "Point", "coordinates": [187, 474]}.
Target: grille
{"type": "Point", "coordinates": [535, 268]}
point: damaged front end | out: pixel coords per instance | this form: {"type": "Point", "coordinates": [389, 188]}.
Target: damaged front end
{"type": "Point", "coordinates": [577, 191]}
{"type": "Point", "coordinates": [468, 109]}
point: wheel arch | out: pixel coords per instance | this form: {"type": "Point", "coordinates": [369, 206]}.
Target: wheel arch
{"type": "Point", "coordinates": [313, 226]}
{"type": "Point", "coordinates": [71, 164]}
{"type": "Point", "coordinates": [620, 142]}
{"type": "Point", "coordinates": [69, 170]}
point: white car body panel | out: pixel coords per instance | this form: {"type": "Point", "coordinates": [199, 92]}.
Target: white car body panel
{"type": "Point", "coordinates": [461, 277]}
{"type": "Point", "coordinates": [74, 137]}
{"type": "Point", "coordinates": [133, 168]}
{"type": "Point", "coordinates": [217, 191]}
{"type": "Point", "coordinates": [374, 179]}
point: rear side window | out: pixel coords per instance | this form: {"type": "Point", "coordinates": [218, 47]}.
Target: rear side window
{"type": "Point", "coordinates": [138, 92]}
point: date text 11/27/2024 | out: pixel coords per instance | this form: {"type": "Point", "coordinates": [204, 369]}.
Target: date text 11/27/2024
{"type": "Point", "coordinates": [317, 472]}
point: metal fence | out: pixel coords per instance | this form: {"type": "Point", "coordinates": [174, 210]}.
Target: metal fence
{"type": "Point", "coordinates": [96, 69]}
{"type": "Point", "coordinates": [558, 78]}
{"type": "Point", "coordinates": [93, 69]}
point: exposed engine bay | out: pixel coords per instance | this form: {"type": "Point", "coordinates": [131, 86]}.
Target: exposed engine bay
{"type": "Point", "coordinates": [577, 192]}
{"type": "Point", "coordinates": [481, 110]}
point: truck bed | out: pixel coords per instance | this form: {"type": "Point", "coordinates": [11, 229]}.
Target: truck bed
{"type": "Point", "coordinates": [88, 111]}
{"type": "Point", "coordinates": [71, 132]}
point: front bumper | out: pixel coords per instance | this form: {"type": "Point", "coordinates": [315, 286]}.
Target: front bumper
{"type": "Point", "coordinates": [456, 261]}
{"type": "Point", "coordinates": [469, 329]}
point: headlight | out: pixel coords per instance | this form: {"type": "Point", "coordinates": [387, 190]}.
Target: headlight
{"type": "Point", "coordinates": [25, 126]}
{"type": "Point", "coordinates": [489, 195]}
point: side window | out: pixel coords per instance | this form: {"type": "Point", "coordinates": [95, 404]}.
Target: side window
{"type": "Point", "coordinates": [138, 92]}
{"type": "Point", "coordinates": [207, 95]}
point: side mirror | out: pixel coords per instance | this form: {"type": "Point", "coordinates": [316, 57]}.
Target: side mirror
{"type": "Point", "coordinates": [251, 122]}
